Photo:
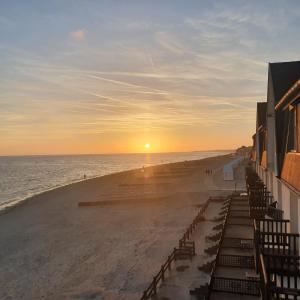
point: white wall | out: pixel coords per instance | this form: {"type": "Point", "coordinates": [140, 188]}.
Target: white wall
{"type": "Point", "coordinates": [294, 212]}
{"type": "Point", "coordinates": [274, 187]}
{"type": "Point", "coordinates": [264, 176]}
{"type": "Point", "coordinates": [257, 169]}
{"type": "Point", "coordinates": [270, 182]}
{"type": "Point", "coordinates": [276, 190]}
{"type": "Point", "coordinates": [267, 180]}
{"type": "Point", "coordinates": [286, 199]}
{"type": "Point", "coordinates": [271, 144]}
{"type": "Point", "coordinates": [279, 189]}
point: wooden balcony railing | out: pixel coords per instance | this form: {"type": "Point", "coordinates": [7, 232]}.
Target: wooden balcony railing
{"type": "Point", "coordinates": [240, 261]}
{"type": "Point", "coordinates": [277, 243]}
{"type": "Point", "coordinates": [280, 277]}
{"type": "Point", "coordinates": [231, 242]}
{"type": "Point", "coordinates": [268, 225]}
{"type": "Point", "coordinates": [236, 286]}
{"type": "Point", "coordinates": [277, 253]}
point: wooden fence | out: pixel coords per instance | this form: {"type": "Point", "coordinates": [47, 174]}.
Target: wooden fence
{"type": "Point", "coordinates": [186, 249]}
{"type": "Point", "coordinates": [160, 276]}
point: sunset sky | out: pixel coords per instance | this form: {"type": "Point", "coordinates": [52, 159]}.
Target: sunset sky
{"type": "Point", "coordinates": [112, 76]}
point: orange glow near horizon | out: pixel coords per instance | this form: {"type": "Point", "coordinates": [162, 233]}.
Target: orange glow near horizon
{"type": "Point", "coordinates": [123, 143]}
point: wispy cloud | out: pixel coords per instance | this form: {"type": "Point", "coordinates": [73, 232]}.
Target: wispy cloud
{"type": "Point", "coordinates": [78, 35]}
{"type": "Point", "coordinates": [193, 69]}
{"type": "Point", "coordinates": [169, 43]}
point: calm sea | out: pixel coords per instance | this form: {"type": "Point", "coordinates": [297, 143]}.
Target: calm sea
{"type": "Point", "coordinates": [22, 177]}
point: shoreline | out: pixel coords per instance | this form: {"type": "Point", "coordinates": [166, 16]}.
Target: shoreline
{"type": "Point", "coordinates": [5, 206]}
{"type": "Point", "coordinates": [9, 205]}
{"type": "Point", "coordinates": [52, 249]}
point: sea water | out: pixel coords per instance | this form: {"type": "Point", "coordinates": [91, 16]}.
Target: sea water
{"type": "Point", "coordinates": [24, 176]}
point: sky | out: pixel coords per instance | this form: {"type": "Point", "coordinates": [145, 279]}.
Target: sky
{"type": "Point", "coordinates": [111, 76]}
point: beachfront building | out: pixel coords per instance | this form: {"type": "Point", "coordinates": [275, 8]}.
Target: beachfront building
{"type": "Point", "coordinates": [254, 247]}
{"type": "Point", "coordinates": [276, 149]}
{"type": "Point", "coordinates": [261, 139]}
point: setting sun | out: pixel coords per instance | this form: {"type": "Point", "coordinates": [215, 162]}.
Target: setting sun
{"type": "Point", "coordinates": [147, 146]}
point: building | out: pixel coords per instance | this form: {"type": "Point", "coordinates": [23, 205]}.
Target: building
{"type": "Point", "coordinates": [255, 247]}
{"type": "Point", "coordinates": [277, 139]}
{"type": "Point", "coordinates": [261, 139]}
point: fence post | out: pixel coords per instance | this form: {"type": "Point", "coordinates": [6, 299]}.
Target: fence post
{"type": "Point", "coordinates": [144, 296]}
{"type": "Point", "coordinates": [154, 285]}
{"type": "Point", "coordinates": [162, 273]}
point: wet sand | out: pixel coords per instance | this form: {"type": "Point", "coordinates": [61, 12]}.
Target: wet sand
{"type": "Point", "coordinates": [50, 248]}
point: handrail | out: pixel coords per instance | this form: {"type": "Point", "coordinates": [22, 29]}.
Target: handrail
{"type": "Point", "coordinates": [271, 225]}
{"type": "Point", "coordinates": [263, 269]}
{"type": "Point", "coordinates": [210, 284]}
{"type": "Point", "coordinates": [263, 278]}
{"type": "Point", "coordinates": [277, 243]}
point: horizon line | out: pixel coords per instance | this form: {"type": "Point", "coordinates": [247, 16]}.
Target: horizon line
{"type": "Point", "coordinates": [115, 153]}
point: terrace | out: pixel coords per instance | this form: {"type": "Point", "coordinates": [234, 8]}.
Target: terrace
{"type": "Point", "coordinates": [277, 250]}
{"type": "Point", "coordinates": [253, 253]}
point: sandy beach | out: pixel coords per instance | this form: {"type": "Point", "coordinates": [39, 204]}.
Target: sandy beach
{"type": "Point", "coordinates": [51, 248]}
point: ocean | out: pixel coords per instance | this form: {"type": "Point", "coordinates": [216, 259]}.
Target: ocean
{"type": "Point", "coordinates": [24, 176]}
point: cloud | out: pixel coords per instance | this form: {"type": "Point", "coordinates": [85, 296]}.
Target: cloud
{"type": "Point", "coordinates": [169, 43]}
{"type": "Point", "coordinates": [78, 35]}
